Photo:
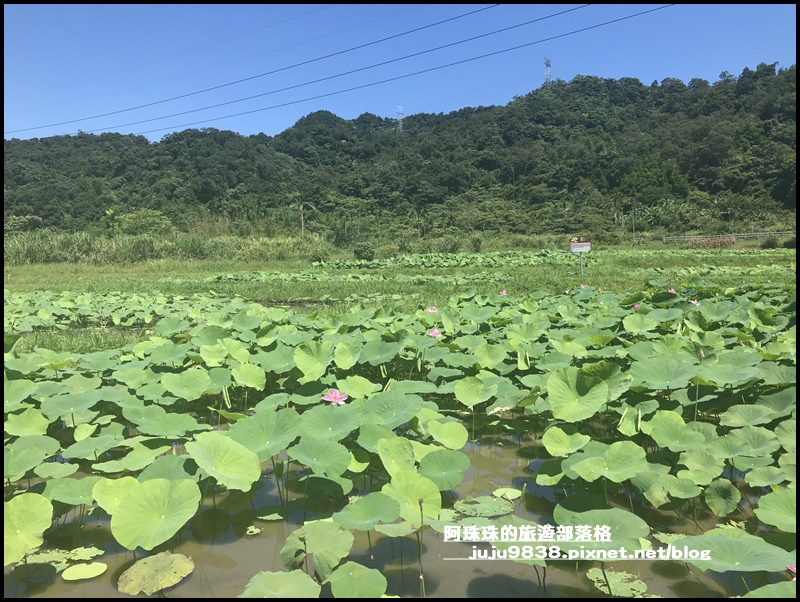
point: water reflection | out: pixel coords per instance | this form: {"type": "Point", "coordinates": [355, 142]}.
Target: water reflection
{"type": "Point", "coordinates": [228, 551]}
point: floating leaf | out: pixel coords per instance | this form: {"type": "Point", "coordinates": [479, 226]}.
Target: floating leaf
{"type": "Point", "coordinates": [84, 571]}
{"type": "Point", "coordinates": [722, 497]}
{"type": "Point", "coordinates": [366, 512]}
{"type": "Point", "coordinates": [269, 584]}
{"type": "Point", "coordinates": [444, 467]}
{"type": "Point", "coordinates": [155, 573]}
{"type": "Point", "coordinates": [779, 508]}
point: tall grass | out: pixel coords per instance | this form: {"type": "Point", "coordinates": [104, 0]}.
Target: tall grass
{"type": "Point", "coordinates": [46, 246]}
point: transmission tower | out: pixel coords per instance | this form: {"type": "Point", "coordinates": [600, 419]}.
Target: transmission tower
{"type": "Point", "coordinates": [547, 71]}
{"type": "Point", "coordinates": [400, 118]}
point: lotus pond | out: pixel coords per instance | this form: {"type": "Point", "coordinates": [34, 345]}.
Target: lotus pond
{"type": "Point", "coordinates": [244, 450]}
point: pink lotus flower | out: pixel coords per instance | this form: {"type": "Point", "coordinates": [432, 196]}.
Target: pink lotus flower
{"type": "Point", "coordinates": [582, 286]}
{"type": "Point", "coordinates": [335, 397]}
{"type": "Point", "coordinates": [434, 332]}
{"type": "Point", "coordinates": [672, 290]}
{"type": "Point", "coordinates": [635, 307]}
{"type": "Point", "coordinates": [793, 570]}
{"type": "Point", "coordinates": [694, 302]}
{"type": "Point", "coordinates": [701, 353]}
{"type": "Point", "coordinates": [432, 309]}
{"type": "Point", "coordinates": [503, 292]}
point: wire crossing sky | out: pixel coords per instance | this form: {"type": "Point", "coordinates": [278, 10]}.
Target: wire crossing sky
{"type": "Point", "coordinates": [71, 68]}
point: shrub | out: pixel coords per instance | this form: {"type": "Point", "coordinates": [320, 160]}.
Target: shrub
{"type": "Point", "coordinates": [791, 243]}
{"type": "Point", "coordinates": [770, 243]}
{"type": "Point", "coordinates": [364, 251]}
{"type": "Point", "coordinates": [144, 221]}
{"type": "Point", "coordinates": [476, 242]}
{"type": "Point", "coordinates": [712, 242]}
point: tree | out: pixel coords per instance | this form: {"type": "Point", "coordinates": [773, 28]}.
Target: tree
{"type": "Point", "coordinates": [302, 206]}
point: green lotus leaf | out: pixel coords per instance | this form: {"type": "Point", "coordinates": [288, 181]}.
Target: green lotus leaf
{"type": "Point", "coordinates": [71, 491]}
{"type": "Point", "coordinates": [323, 540]}
{"type": "Point", "coordinates": [759, 440]}
{"type": "Point", "coordinates": [249, 375]}
{"type": "Point", "coordinates": [82, 384]}
{"type": "Point", "coordinates": [267, 432]}
{"type": "Point", "coordinates": [779, 508]}
{"type": "Point", "coordinates": [155, 420]}
{"type": "Point", "coordinates": [322, 456]}
{"type": "Point", "coordinates": [702, 467]}
{"type": "Point", "coordinates": [168, 353]}
{"type": "Point", "coordinates": [138, 458]}
{"type": "Point", "coordinates": [370, 434]}
{"type": "Point", "coordinates": [189, 384]}
{"type": "Point", "coordinates": [781, 403]}
{"type": "Point", "coordinates": [228, 461]}
{"type": "Point", "coordinates": [639, 323]}
{"type": "Point", "coordinates": [653, 484]}
{"type": "Point", "coordinates": [25, 519]}
{"type": "Point", "coordinates": [168, 326]}
{"type": "Point", "coordinates": [490, 356]}
{"type": "Point", "coordinates": [52, 470]}
{"type": "Point", "coordinates": [365, 512]}
{"type": "Point", "coordinates": [379, 352]}
{"type": "Point", "coordinates": [29, 422]}
{"type": "Point", "coordinates": [777, 374]}
{"type": "Point", "coordinates": [26, 453]}
{"type": "Point", "coordinates": [89, 570]}
{"type": "Point", "coordinates": [419, 497]}
{"type": "Point", "coordinates": [330, 422]}
{"type": "Point", "coordinates": [664, 371]}
{"type": "Point", "coordinates": [722, 497]}
{"type": "Point", "coordinates": [396, 454]}
{"type": "Point", "coordinates": [668, 430]}
{"type": "Point", "coordinates": [553, 361]}
{"type": "Point", "coordinates": [109, 493]}
{"type": "Point", "coordinates": [622, 460]}
{"type": "Point", "coordinates": [559, 443]}
{"type": "Point", "coordinates": [453, 435]}
{"type": "Point", "coordinates": [357, 386]}
{"type": "Point", "coordinates": [484, 506]}
{"type": "Point", "coordinates": [236, 350]}
{"type": "Point", "coordinates": [625, 529]}
{"type": "Point", "coordinates": [783, 589]}
{"type": "Point", "coordinates": [15, 392]}
{"type": "Point", "coordinates": [743, 415]}
{"type": "Point", "coordinates": [727, 374]}
{"type": "Point", "coordinates": [153, 511]}
{"type": "Point", "coordinates": [213, 355]}
{"type": "Point", "coordinates": [83, 431]}
{"type": "Point", "coordinates": [765, 476]}
{"type": "Point", "coordinates": [133, 376]}
{"type": "Point", "coordinates": [390, 408]}
{"type": "Point", "coordinates": [471, 391]}
{"type": "Point", "coordinates": [278, 361]}
{"type": "Point", "coordinates": [786, 432]}
{"type": "Point", "coordinates": [574, 395]}
{"type": "Point", "coordinates": [294, 584]}
{"type": "Point", "coordinates": [681, 488]}
{"type": "Point", "coordinates": [444, 467]}
{"type": "Point", "coordinates": [622, 584]}
{"type": "Point", "coordinates": [155, 573]}
{"type": "Point", "coordinates": [353, 580]}
{"type": "Point", "coordinates": [70, 403]}
{"type": "Point", "coordinates": [346, 353]}
{"type": "Point", "coordinates": [550, 473]}
{"type": "Point", "coordinates": [735, 552]}
{"type": "Point", "coordinates": [618, 381]}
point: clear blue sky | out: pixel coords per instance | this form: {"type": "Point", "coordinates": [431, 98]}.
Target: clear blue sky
{"type": "Point", "coordinates": [70, 62]}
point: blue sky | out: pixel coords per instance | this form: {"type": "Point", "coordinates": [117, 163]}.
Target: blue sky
{"type": "Point", "coordinates": [66, 63]}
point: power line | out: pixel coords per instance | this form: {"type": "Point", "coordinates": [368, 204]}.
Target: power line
{"type": "Point", "coordinates": [169, 58]}
{"type": "Point", "coordinates": [174, 127]}
{"type": "Point", "coordinates": [322, 79]}
{"type": "Point", "coordinates": [253, 76]}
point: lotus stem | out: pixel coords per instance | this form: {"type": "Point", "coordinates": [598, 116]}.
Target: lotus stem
{"type": "Point", "coordinates": [419, 552]}
{"type": "Point", "coordinates": [608, 585]}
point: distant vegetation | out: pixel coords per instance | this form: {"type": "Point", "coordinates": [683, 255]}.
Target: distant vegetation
{"type": "Point", "coordinates": [589, 156]}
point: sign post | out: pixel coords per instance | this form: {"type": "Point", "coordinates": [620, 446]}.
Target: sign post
{"type": "Point", "coordinates": [580, 245]}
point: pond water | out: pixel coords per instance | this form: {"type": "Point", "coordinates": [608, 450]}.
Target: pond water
{"type": "Point", "coordinates": [226, 557]}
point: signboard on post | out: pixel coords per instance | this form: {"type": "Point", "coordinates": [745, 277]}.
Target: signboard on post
{"type": "Point", "coordinates": [580, 245]}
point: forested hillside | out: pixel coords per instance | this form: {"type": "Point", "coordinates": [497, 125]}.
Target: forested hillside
{"type": "Point", "coordinates": [586, 155]}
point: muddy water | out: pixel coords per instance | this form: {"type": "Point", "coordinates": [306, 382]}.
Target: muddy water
{"type": "Point", "coordinates": [226, 558]}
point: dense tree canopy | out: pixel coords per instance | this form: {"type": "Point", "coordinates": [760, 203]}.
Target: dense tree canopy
{"type": "Point", "coordinates": [588, 154]}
